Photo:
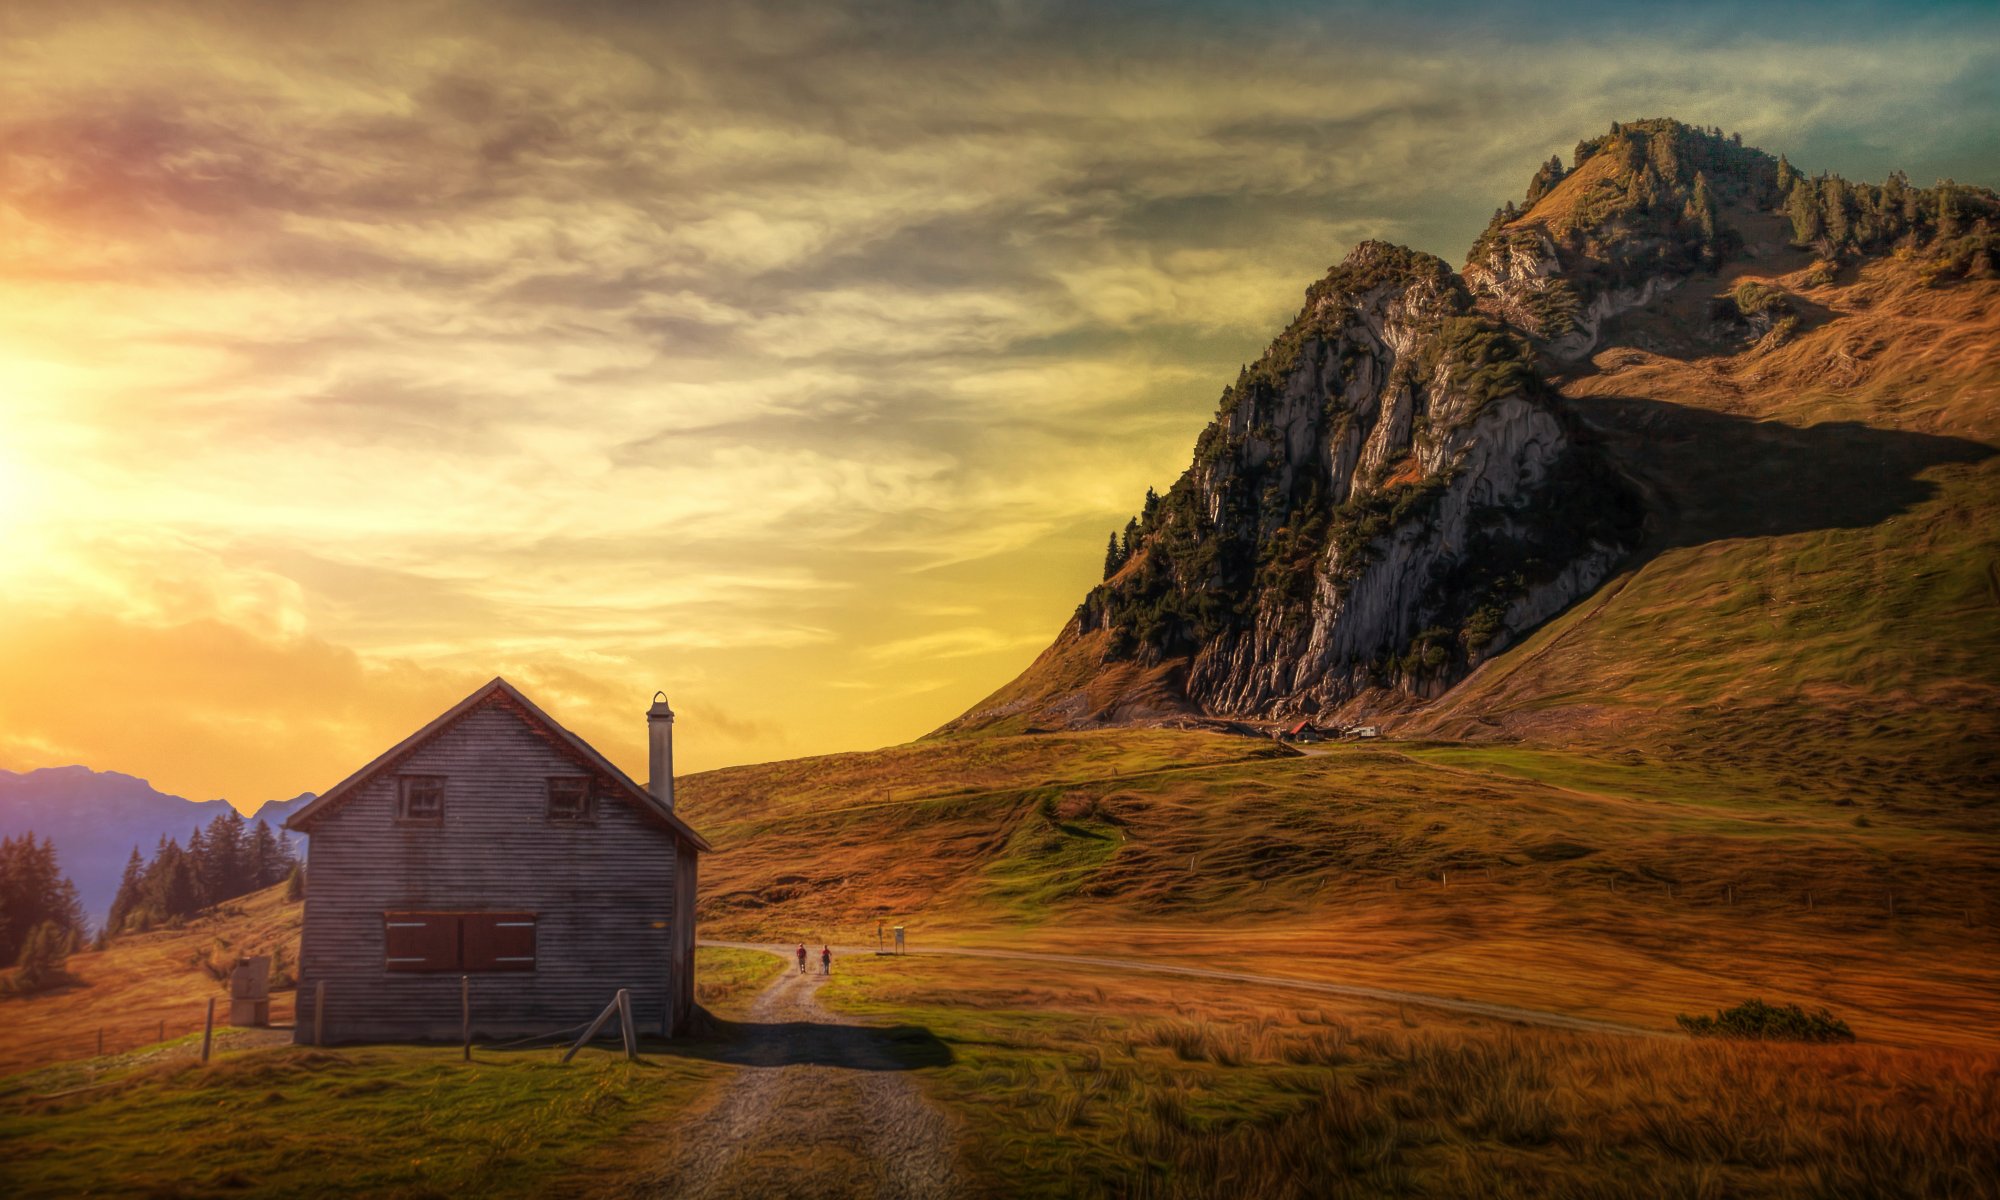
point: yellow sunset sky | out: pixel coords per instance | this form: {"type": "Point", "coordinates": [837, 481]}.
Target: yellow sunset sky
{"type": "Point", "coordinates": [793, 359]}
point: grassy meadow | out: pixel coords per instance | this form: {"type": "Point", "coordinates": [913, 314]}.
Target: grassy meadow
{"type": "Point", "coordinates": [1605, 886]}
{"type": "Point", "coordinates": [1082, 1082]}
{"type": "Point", "coordinates": [277, 1119]}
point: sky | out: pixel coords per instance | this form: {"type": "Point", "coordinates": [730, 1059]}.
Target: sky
{"type": "Point", "coordinates": [793, 359]}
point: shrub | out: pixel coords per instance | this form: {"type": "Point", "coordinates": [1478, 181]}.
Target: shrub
{"type": "Point", "coordinates": [1754, 1020]}
{"type": "Point", "coordinates": [40, 966]}
{"type": "Point", "coordinates": [1753, 296]}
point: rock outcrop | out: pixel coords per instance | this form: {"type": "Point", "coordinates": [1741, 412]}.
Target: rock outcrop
{"type": "Point", "coordinates": [1395, 491]}
{"type": "Point", "coordinates": [1388, 496]}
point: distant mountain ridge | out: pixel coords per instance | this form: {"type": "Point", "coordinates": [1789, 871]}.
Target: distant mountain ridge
{"type": "Point", "coordinates": [1410, 480]}
{"type": "Point", "coordinates": [95, 819]}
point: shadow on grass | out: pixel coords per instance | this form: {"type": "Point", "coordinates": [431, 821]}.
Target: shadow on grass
{"type": "Point", "coordinates": [1722, 476]}
{"type": "Point", "coordinates": [804, 1043]}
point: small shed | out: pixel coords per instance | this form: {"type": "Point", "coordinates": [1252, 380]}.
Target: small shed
{"type": "Point", "coordinates": [493, 844]}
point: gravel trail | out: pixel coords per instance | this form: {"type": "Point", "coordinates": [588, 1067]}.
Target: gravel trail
{"type": "Point", "coordinates": [821, 1108]}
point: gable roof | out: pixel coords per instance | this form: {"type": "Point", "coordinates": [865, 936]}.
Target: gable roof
{"type": "Point", "coordinates": [497, 689]}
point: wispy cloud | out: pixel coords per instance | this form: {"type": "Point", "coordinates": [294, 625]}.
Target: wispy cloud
{"type": "Point", "coordinates": [760, 352]}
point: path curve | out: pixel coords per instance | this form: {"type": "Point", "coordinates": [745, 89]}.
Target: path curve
{"type": "Point", "coordinates": [816, 1113]}
{"type": "Point", "coordinates": [1481, 1008]}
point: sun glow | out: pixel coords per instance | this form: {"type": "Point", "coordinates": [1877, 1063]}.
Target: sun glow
{"type": "Point", "coordinates": [14, 500]}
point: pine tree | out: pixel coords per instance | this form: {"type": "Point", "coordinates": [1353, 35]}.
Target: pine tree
{"type": "Point", "coordinates": [295, 884]}
{"type": "Point", "coordinates": [1788, 175]}
{"type": "Point", "coordinates": [171, 889]}
{"type": "Point", "coordinates": [1947, 222]}
{"type": "Point", "coordinates": [131, 893]}
{"type": "Point", "coordinates": [1833, 208]}
{"type": "Point", "coordinates": [201, 868]}
{"type": "Point", "coordinates": [267, 863]}
{"type": "Point", "coordinates": [1547, 176]}
{"type": "Point", "coordinates": [1112, 559]}
{"type": "Point", "coordinates": [41, 959]}
{"type": "Point", "coordinates": [1802, 206]}
{"type": "Point", "coordinates": [34, 894]}
{"type": "Point", "coordinates": [224, 869]}
{"type": "Point", "coordinates": [180, 890]}
{"type": "Point", "coordinates": [1701, 209]}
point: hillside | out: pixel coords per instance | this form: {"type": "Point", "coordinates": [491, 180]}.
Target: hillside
{"type": "Point", "coordinates": [147, 984]}
{"type": "Point", "coordinates": [1604, 885]}
{"type": "Point", "coordinates": [1756, 757]}
{"type": "Point", "coordinates": [1800, 381]}
{"type": "Point", "coordinates": [1819, 595]}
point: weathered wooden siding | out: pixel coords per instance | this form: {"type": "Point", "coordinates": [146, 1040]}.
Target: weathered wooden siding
{"type": "Point", "coordinates": [604, 894]}
{"type": "Point", "coordinates": [681, 1001]}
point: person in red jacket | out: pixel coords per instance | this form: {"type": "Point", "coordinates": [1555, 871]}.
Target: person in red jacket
{"type": "Point", "coordinates": [802, 958]}
{"type": "Point", "coordinates": [826, 960]}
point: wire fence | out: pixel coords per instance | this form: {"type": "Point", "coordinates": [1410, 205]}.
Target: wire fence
{"type": "Point", "coordinates": [155, 1039]}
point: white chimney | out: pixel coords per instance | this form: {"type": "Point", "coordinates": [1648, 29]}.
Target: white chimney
{"type": "Point", "coordinates": [660, 757]}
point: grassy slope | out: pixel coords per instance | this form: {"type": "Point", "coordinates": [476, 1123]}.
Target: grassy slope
{"type": "Point", "coordinates": [146, 983]}
{"type": "Point", "coordinates": [1623, 888]}
{"type": "Point", "coordinates": [1820, 612]}
{"type": "Point", "coordinates": [1759, 762]}
{"type": "Point", "coordinates": [1762, 759]}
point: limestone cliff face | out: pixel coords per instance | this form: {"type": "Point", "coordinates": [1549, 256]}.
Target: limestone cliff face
{"type": "Point", "coordinates": [1388, 496]}
{"type": "Point", "coordinates": [1393, 493]}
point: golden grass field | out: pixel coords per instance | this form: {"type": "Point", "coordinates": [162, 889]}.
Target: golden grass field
{"type": "Point", "coordinates": [1098, 1083]}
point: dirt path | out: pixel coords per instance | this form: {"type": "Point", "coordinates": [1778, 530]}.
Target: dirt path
{"type": "Point", "coordinates": [820, 1108]}
{"type": "Point", "coordinates": [1481, 1008]}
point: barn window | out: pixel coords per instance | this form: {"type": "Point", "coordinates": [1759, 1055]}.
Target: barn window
{"type": "Point", "coordinates": [569, 798]}
{"type": "Point", "coordinates": [458, 941]}
{"type": "Point", "coordinates": [421, 799]}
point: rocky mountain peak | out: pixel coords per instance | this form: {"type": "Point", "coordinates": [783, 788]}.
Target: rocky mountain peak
{"type": "Point", "coordinates": [1394, 492]}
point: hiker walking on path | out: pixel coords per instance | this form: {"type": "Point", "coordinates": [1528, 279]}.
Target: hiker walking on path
{"type": "Point", "coordinates": [802, 958]}
{"type": "Point", "coordinates": [826, 960]}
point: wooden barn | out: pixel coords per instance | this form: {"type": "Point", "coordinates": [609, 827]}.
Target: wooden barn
{"type": "Point", "coordinates": [496, 845]}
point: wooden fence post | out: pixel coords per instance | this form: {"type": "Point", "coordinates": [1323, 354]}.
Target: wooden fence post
{"type": "Point", "coordinates": [319, 1013]}
{"type": "Point", "coordinates": [208, 1029]}
{"type": "Point", "coordinates": [465, 1014]}
{"type": "Point", "coordinates": [625, 1024]}
{"type": "Point", "coordinates": [592, 1031]}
